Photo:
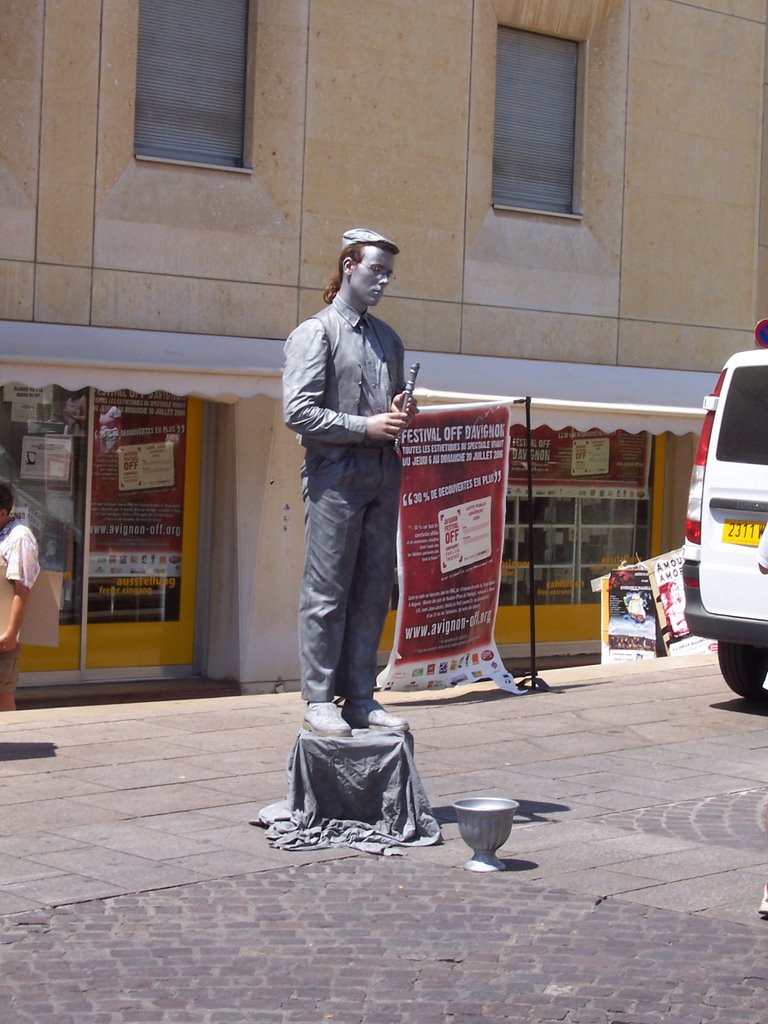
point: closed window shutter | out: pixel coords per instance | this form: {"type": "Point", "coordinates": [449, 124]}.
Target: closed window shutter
{"type": "Point", "coordinates": [535, 118]}
{"type": "Point", "coordinates": [190, 87]}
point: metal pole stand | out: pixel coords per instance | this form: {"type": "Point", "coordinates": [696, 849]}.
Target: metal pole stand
{"type": "Point", "coordinates": [534, 681]}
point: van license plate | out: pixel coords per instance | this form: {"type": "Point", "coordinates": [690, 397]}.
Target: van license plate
{"type": "Point", "coordinates": [739, 531]}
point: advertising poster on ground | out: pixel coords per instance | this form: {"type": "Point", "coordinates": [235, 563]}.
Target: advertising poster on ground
{"type": "Point", "coordinates": [666, 575]}
{"type": "Point", "coordinates": [137, 501]}
{"type": "Point", "coordinates": [628, 631]}
{"type": "Point", "coordinates": [450, 540]}
{"type": "Point", "coordinates": [643, 612]}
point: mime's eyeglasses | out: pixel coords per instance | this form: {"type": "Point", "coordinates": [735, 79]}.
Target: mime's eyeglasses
{"type": "Point", "coordinates": [378, 271]}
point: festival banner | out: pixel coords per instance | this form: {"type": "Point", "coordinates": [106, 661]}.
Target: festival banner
{"type": "Point", "coordinates": [450, 540]}
{"type": "Point", "coordinates": [581, 464]}
{"type": "Point", "coordinates": [137, 501]}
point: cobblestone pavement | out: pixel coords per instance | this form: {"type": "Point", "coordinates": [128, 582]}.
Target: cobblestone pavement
{"type": "Point", "coordinates": [387, 941]}
{"type": "Point", "coordinates": [728, 818]}
{"type": "Point", "coordinates": [133, 889]}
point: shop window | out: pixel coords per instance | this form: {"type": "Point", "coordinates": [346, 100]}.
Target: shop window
{"type": "Point", "coordinates": [43, 455]}
{"type": "Point", "coordinates": [591, 509]}
{"type": "Point", "coordinates": [137, 504]}
{"type": "Point", "coordinates": [535, 121]}
{"type": "Point", "coordinates": [190, 80]}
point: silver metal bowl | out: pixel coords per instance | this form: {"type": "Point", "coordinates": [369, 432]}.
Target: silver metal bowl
{"type": "Point", "coordinates": [485, 823]}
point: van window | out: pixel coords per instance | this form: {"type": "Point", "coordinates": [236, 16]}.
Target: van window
{"type": "Point", "coordinates": [744, 429]}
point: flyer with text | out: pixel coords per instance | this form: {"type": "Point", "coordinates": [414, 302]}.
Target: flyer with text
{"type": "Point", "coordinates": [450, 540]}
{"type": "Point", "coordinates": [139, 460]}
{"type": "Point", "coordinates": [666, 576]}
{"type": "Point", "coordinates": [628, 627]}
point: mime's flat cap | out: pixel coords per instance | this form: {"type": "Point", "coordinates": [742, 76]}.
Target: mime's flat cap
{"type": "Point", "coordinates": [367, 237]}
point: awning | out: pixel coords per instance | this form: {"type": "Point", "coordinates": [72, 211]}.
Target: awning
{"type": "Point", "coordinates": [580, 395]}
{"type": "Point", "coordinates": [208, 366]}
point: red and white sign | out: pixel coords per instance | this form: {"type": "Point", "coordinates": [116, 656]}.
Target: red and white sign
{"type": "Point", "coordinates": [450, 540]}
{"type": "Point", "coordinates": [137, 504]}
{"type": "Point", "coordinates": [580, 464]}
{"type": "Point", "coordinates": [761, 333]}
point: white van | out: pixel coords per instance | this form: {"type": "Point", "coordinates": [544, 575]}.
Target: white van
{"type": "Point", "coordinates": [726, 596]}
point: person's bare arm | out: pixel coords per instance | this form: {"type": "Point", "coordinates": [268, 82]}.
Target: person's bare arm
{"type": "Point", "coordinates": [10, 637]}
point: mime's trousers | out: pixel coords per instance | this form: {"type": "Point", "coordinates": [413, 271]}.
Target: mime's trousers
{"type": "Point", "coordinates": [351, 509]}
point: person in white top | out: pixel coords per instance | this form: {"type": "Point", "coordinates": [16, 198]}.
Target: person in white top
{"type": "Point", "coordinates": [762, 565]}
{"type": "Point", "coordinates": [20, 566]}
{"type": "Point", "coordinates": [762, 552]}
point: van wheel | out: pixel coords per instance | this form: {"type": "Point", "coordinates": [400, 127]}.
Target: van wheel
{"type": "Point", "coordinates": [744, 668]}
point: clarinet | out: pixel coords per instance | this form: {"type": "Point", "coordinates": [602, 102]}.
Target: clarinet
{"type": "Point", "coordinates": [410, 387]}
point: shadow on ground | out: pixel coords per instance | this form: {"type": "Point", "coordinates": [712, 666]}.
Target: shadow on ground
{"type": "Point", "coordinates": [529, 812]}
{"type": "Point", "coordinates": [742, 706]}
{"type": "Point", "coordinates": [26, 751]}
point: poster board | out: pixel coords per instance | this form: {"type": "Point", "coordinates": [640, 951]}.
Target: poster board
{"type": "Point", "coordinates": [40, 627]}
{"type": "Point", "coordinates": [450, 542]}
{"type": "Point", "coordinates": [666, 576]}
{"type": "Point", "coordinates": [628, 615]}
{"type": "Point", "coordinates": [139, 452]}
{"type": "Point", "coordinates": [569, 463]}
{"type": "Point", "coordinates": [643, 612]}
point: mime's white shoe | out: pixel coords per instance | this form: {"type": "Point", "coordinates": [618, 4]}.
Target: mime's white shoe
{"type": "Point", "coordinates": [369, 714]}
{"type": "Point", "coordinates": [325, 719]}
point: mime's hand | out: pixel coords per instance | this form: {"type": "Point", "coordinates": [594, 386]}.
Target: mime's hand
{"type": "Point", "coordinates": [385, 426]}
{"type": "Point", "coordinates": [411, 410]}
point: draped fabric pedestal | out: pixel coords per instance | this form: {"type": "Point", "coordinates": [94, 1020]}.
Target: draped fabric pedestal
{"type": "Point", "coordinates": [362, 791]}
